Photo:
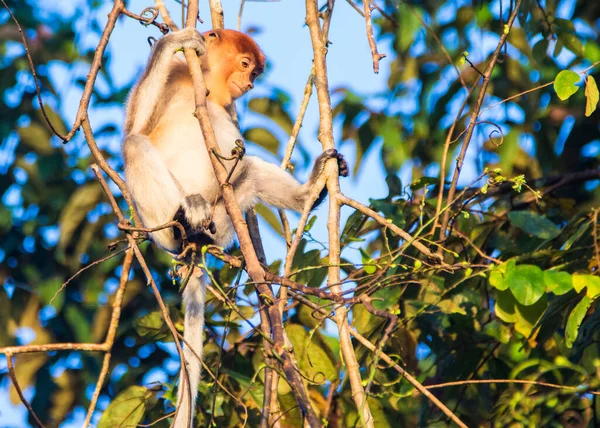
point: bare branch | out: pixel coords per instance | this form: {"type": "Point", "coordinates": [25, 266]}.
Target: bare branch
{"type": "Point", "coordinates": [160, 5]}
{"type": "Point", "coordinates": [255, 270]}
{"type": "Point", "coordinates": [374, 53]}
{"type": "Point", "coordinates": [13, 376]}
{"type": "Point", "coordinates": [35, 77]}
{"type": "Point", "coordinates": [110, 335]}
{"type": "Point", "coordinates": [475, 114]}
{"type": "Point", "coordinates": [318, 38]}
{"type": "Point", "coordinates": [216, 14]}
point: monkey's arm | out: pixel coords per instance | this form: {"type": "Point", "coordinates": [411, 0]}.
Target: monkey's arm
{"type": "Point", "coordinates": [150, 90]}
{"type": "Point", "coordinates": [279, 189]}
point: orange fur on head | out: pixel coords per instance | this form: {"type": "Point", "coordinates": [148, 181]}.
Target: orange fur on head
{"type": "Point", "coordinates": [232, 62]}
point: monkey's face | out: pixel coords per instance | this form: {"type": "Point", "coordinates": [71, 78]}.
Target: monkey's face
{"type": "Point", "coordinates": [232, 64]}
{"type": "Point", "coordinates": [242, 75]}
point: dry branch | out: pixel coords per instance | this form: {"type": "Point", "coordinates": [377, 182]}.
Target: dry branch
{"type": "Point", "coordinates": [319, 42]}
{"type": "Point", "coordinates": [478, 104]}
{"type": "Point", "coordinates": [255, 269]}
{"type": "Point", "coordinates": [374, 53]}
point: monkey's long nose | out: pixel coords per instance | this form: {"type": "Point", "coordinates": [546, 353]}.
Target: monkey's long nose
{"type": "Point", "coordinates": [250, 86]}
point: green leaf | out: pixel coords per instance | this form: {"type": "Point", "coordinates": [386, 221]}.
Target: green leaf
{"type": "Point", "coordinates": [264, 138]}
{"type": "Point", "coordinates": [310, 223]}
{"type": "Point", "coordinates": [390, 130]}
{"type": "Point", "coordinates": [352, 227]}
{"type": "Point", "coordinates": [558, 282]}
{"type": "Point", "coordinates": [572, 42]}
{"type": "Point", "coordinates": [75, 211]}
{"type": "Point", "coordinates": [505, 306]}
{"type": "Point", "coordinates": [498, 331]}
{"type": "Point", "coordinates": [539, 50]}
{"type": "Point", "coordinates": [313, 359]}
{"type": "Point", "coordinates": [591, 95]}
{"type": "Point", "coordinates": [564, 84]}
{"type": "Point", "coordinates": [270, 217]}
{"type": "Point", "coordinates": [497, 276]}
{"type": "Point", "coordinates": [274, 109]}
{"type": "Point", "coordinates": [37, 137]}
{"type": "Point", "coordinates": [152, 326]}
{"type": "Point", "coordinates": [592, 283]}
{"type": "Point", "coordinates": [424, 181]}
{"type": "Point", "coordinates": [534, 224]}
{"type": "Point", "coordinates": [575, 319]}
{"type": "Point", "coordinates": [526, 283]}
{"type": "Point", "coordinates": [127, 409]}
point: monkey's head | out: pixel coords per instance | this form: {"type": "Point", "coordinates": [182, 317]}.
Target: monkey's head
{"type": "Point", "coordinates": [231, 64]}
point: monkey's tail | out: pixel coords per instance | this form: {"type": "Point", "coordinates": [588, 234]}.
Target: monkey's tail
{"type": "Point", "coordinates": [193, 298]}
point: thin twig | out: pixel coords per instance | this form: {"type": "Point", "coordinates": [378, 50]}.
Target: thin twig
{"type": "Point", "coordinates": [160, 5]}
{"type": "Point", "coordinates": [110, 335]}
{"type": "Point", "coordinates": [239, 21]}
{"type": "Point", "coordinates": [580, 389]}
{"type": "Point", "coordinates": [35, 77]}
{"type": "Point", "coordinates": [374, 53]}
{"type": "Point", "coordinates": [150, 20]}
{"type": "Point", "coordinates": [409, 240]}
{"type": "Point", "coordinates": [355, 7]}
{"type": "Point", "coordinates": [84, 103]}
{"type": "Point", "coordinates": [475, 114]}
{"type": "Point", "coordinates": [13, 376]}
{"type": "Point", "coordinates": [83, 269]}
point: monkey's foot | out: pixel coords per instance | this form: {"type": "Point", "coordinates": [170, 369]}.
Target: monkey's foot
{"type": "Point", "coordinates": [343, 167]}
{"type": "Point", "coordinates": [194, 216]}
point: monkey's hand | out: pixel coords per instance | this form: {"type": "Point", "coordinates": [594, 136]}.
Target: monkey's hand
{"type": "Point", "coordinates": [343, 170]}
{"type": "Point", "coordinates": [194, 216]}
{"type": "Point", "coordinates": [188, 38]}
{"type": "Point", "coordinates": [343, 167]}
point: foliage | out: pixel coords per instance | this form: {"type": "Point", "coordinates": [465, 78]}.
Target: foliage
{"type": "Point", "coordinates": [516, 298]}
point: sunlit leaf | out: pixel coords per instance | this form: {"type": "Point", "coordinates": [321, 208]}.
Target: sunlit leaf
{"type": "Point", "coordinates": [591, 95]}
{"type": "Point", "coordinates": [313, 359]}
{"type": "Point", "coordinates": [558, 282]}
{"type": "Point", "coordinates": [526, 283]}
{"type": "Point", "coordinates": [274, 109]}
{"type": "Point", "coordinates": [590, 282]}
{"type": "Point", "coordinates": [564, 84]}
{"type": "Point", "coordinates": [37, 137]}
{"type": "Point", "coordinates": [127, 409]}
{"type": "Point", "coordinates": [575, 318]}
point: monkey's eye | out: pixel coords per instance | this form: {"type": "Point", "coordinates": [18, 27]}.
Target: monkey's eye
{"type": "Point", "coordinates": [245, 64]}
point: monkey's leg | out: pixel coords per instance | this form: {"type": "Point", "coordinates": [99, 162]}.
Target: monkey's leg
{"type": "Point", "coordinates": [156, 193]}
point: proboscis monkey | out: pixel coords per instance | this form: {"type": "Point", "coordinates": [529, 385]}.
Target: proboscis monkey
{"type": "Point", "coordinates": [168, 169]}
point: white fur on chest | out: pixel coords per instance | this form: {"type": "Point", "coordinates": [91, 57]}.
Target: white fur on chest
{"type": "Point", "coordinates": [185, 153]}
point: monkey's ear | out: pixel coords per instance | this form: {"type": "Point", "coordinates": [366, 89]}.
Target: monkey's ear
{"type": "Point", "coordinates": [213, 35]}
